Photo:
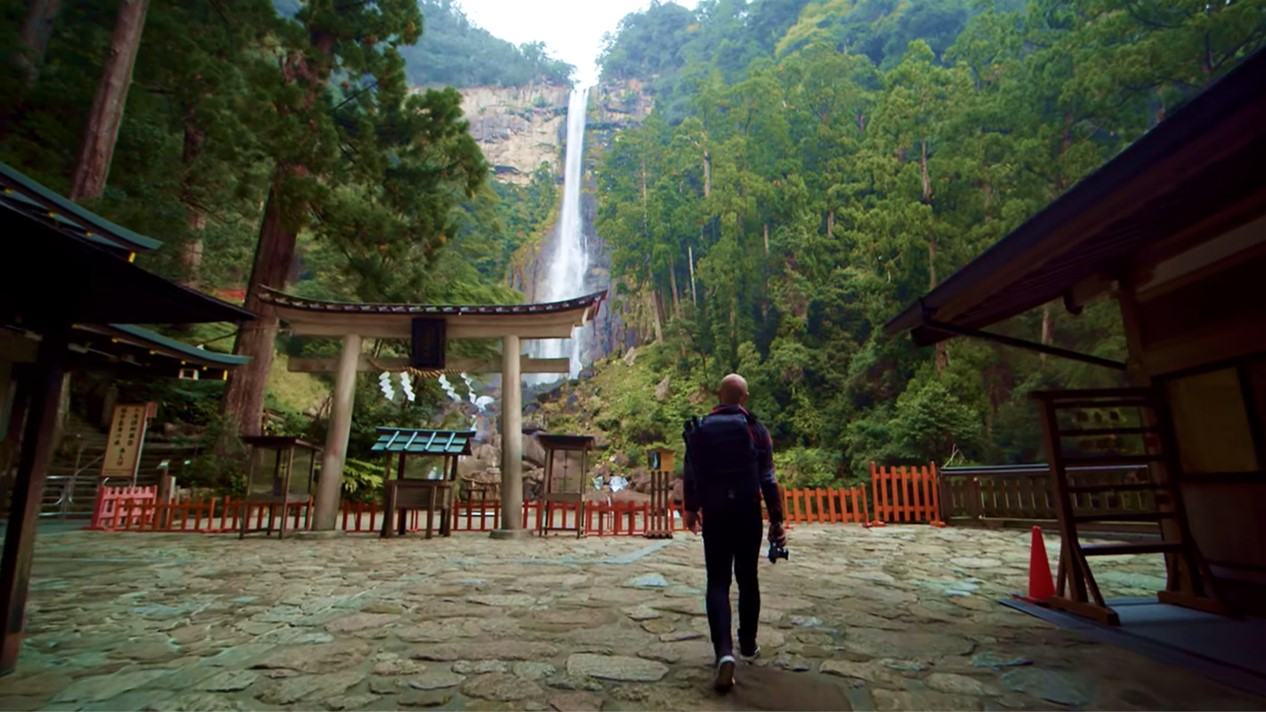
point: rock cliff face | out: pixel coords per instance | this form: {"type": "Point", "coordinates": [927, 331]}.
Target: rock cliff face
{"type": "Point", "coordinates": [621, 104]}
{"type": "Point", "coordinates": [518, 128]}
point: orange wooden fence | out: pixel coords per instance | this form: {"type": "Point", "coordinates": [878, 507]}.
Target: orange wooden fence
{"type": "Point", "coordinates": [824, 505]}
{"type": "Point", "coordinates": [906, 494]}
{"type": "Point", "coordinates": [899, 494]}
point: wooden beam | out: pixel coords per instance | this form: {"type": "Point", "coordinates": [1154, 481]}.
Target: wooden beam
{"type": "Point", "coordinates": [28, 490]}
{"type": "Point", "coordinates": [394, 363]}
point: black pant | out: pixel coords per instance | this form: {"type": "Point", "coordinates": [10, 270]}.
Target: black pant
{"type": "Point", "coordinates": [731, 541]}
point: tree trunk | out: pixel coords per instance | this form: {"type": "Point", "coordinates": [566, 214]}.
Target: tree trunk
{"type": "Point", "coordinates": [707, 174]}
{"type": "Point", "coordinates": [37, 29]}
{"type": "Point", "coordinates": [767, 239]}
{"type": "Point", "coordinates": [657, 321]}
{"type": "Point", "coordinates": [97, 150]}
{"type": "Point", "coordinates": [830, 223]}
{"type": "Point", "coordinates": [672, 280]}
{"type": "Point", "coordinates": [931, 263]}
{"type": "Point", "coordinates": [646, 225]}
{"type": "Point", "coordinates": [195, 216]}
{"type": "Point", "coordinates": [690, 257]}
{"type": "Point", "coordinates": [244, 399]}
{"type": "Point", "coordinates": [274, 254]}
{"type": "Point", "coordinates": [923, 171]}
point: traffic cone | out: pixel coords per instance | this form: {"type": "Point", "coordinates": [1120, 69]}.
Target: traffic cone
{"type": "Point", "coordinates": [1041, 587]}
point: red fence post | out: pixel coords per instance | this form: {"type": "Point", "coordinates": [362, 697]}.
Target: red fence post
{"type": "Point", "coordinates": [938, 519]}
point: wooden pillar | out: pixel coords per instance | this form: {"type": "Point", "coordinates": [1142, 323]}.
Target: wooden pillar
{"type": "Point", "coordinates": [511, 441]}
{"type": "Point", "coordinates": [28, 490]}
{"type": "Point", "coordinates": [330, 486]}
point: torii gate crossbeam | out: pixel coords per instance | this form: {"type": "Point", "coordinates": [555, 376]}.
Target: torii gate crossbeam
{"type": "Point", "coordinates": [352, 322]}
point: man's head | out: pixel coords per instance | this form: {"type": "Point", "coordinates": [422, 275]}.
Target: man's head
{"type": "Point", "coordinates": [733, 390]}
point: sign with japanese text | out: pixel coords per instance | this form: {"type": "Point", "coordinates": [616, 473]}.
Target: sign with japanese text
{"type": "Point", "coordinates": [127, 435]}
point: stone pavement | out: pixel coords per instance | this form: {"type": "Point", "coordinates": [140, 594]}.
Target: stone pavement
{"type": "Point", "coordinates": [888, 618]}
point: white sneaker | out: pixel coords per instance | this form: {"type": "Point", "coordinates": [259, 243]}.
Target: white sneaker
{"type": "Point", "coordinates": [749, 658]}
{"type": "Point", "coordinates": [725, 673]}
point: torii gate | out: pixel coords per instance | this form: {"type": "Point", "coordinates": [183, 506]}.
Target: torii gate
{"type": "Point", "coordinates": [352, 322]}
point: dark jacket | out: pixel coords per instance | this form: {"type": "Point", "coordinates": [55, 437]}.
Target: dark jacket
{"type": "Point", "coordinates": [700, 490]}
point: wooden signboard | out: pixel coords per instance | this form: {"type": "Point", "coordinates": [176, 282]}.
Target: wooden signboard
{"type": "Point", "coordinates": [127, 435]}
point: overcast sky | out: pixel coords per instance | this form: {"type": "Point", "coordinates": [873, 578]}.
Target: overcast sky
{"type": "Point", "coordinates": [571, 29]}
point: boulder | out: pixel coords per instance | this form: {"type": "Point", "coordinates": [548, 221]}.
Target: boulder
{"type": "Point", "coordinates": [640, 480]}
{"type": "Point", "coordinates": [629, 496]}
{"type": "Point", "coordinates": [679, 490]}
{"type": "Point", "coordinates": [664, 389]}
{"type": "Point", "coordinates": [533, 451]}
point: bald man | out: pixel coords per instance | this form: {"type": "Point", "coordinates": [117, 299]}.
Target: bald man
{"type": "Point", "coordinates": [729, 468]}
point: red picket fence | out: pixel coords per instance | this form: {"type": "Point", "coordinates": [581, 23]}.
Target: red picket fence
{"type": "Point", "coordinates": [214, 516]}
{"type": "Point", "coordinates": [906, 494]}
{"type": "Point", "coordinates": [108, 512]}
{"type": "Point", "coordinates": [826, 505]}
{"type": "Point", "coordinates": [897, 494]}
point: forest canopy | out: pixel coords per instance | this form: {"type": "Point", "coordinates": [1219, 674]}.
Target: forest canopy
{"type": "Point", "coordinates": [458, 53]}
{"type": "Point", "coordinates": [813, 167]}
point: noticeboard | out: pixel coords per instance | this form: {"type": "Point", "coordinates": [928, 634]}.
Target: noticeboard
{"type": "Point", "coordinates": [127, 436]}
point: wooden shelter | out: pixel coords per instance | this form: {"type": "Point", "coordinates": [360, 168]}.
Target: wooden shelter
{"type": "Point", "coordinates": [1174, 230]}
{"type": "Point", "coordinates": [564, 483]}
{"type": "Point", "coordinates": [431, 495]}
{"type": "Point", "coordinates": [69, 292]}
{"type": "Point", "coordinates": [282, 477]}
{"type": "Point", "coordinates": [511, 323]}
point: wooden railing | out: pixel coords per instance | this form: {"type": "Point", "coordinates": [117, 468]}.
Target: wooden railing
{"type": "Point", "coordinates": [896, 495]}
{"type": "Point", "coordinates": [906, 494]}
{"type": "Point", "coordinates": [834, 505]}
{"type": "Point", "coordinates": [997, 494]}
{"type": "Point", "coordinates": [217, 515]}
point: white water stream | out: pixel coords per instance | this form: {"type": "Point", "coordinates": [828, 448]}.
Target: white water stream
{"type": "Point", "coordinates": [569, 258]}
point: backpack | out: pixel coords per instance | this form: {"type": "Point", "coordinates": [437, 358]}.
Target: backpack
{"type": "Point", "coordinates": [723, 454]}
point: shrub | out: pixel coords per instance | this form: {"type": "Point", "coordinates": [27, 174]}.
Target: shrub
{"type": "Point", "coordinates": [807, 467]}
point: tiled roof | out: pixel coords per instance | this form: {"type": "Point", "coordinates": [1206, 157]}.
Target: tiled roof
{"type": "Point", "coordinates": [19, 192]}
{"type": "Point", "coordinates": [282, 299]}
{"type": "Point", "coordinates": [420, 441]}
{"type": "Point", "coordinates": [181, 349]}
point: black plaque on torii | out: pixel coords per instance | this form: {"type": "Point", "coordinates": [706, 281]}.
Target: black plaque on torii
{"type": "Point", "coordinates": [427, 350]}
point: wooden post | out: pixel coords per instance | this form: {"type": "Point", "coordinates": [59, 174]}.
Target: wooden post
{"type": "Point", "coordinates": [330, 486]}
{"type": "Point", "coordinates": [511, 440]}
{"type": "Point", "coordinates": [28, 490]}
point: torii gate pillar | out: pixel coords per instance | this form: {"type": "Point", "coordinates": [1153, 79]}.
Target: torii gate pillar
{"type": "Point", "coordinates": [511, 442]}
{"type": "Point", "coordinates": [330, 485]}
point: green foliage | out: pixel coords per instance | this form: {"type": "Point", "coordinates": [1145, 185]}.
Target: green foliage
{"type": "Point", "coordinates": [807, 467]}
{"type": "Point", "coordinates": [461, 54]}
{"type": "Point", "coordinates": [362, 480]}
{"type": "Point", "coordinates": [309, 103]}
{"type": "Point", "coordinates": [825, 163]}
{"type": "Point", "coordinates": [223, 462]}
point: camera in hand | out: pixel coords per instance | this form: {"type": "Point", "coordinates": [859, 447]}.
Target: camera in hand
{"type": "Point", "coordinates": [776, 551]}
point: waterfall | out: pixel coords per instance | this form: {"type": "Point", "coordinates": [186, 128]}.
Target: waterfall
{"type": "Point", "coordinates": [569, 259]}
